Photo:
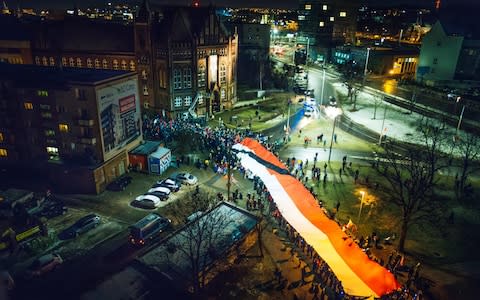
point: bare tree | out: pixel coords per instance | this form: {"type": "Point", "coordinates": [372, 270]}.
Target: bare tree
{"type": "Point", "coordinates": [198, 244]}
{"type": "Point", "coordinates": [469, 148]}
{"type": "Point", "coordinates": [411, 179]}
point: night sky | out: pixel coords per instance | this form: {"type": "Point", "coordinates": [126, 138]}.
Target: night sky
{"type": "Point", "coordinates": [229, 3]}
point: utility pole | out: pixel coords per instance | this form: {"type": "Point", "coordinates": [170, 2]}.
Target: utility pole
{"type": "Point", "coordinates": [383, 124]}
{"type": "Point", "coordinates": [229, 178]}
{"type": "Point", "coordinates": [323, 84]}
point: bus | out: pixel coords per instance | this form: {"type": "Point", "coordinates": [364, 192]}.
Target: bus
{"type": "Point", "coordinates": [148, 228]}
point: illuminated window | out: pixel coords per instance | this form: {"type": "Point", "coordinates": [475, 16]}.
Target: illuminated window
{"type": "Point", "coordinates": [124, 64]}
{"type": "Point", "coordinates": [301, 18]}
{"type": "Point", "coordinates": [132, 65]}
{"type": "Point", "coordinates": [52, 61]}
{"type": "Point", "coordinates": [188, 100]}
{"type": "Point", "coordinates": [332, 19]}
{"type": "Point", "coordinates": [200, 99]}
{"type": "Point", "coordinates": [64, 61]}
{"type": "Point", "coordinates": [71, 61]}
{"type": "Point", "coordinates": [343, 14]}
{"type": "Point", "coordinates": [97, 63]}
{"type": "Point", "coordinates": [222, 94]}
{"type": "Point", "coordinates": [177, 79]}
{"type": "Point", "coordinates": [37, 60]}
{"type": "Point", "coordinates": [45, 106]}
{"type": "Point", "coordinates": [3, 152]}
{"type": "Point", "coordinates": [144, 75]}
{"type": "Point", "coordinates": [145, 90]}
{"type": "Point", "coordinates": [28, 105]}
{"type": "Point", "coordinates": [63, 127]}
{"type": "Point", "coordinates": [105, 64]}
{"type": "Point", "coordinates": [115, 64]}
{"type": "Point", "coordinates": [89, 63]}
{"type": "Point", "coordinates": [53, 152]}
{"type": "Point", "coordinates": [308, 6]}
{"type": "Point", "coordinates": [1, 137]}
{"type": "Point", "coordinates": [44, 61]}
{"type": "Point", "coordinates": [49, 132]}
{"type": "Point", "coordinates": [324, 7]}
{"type": "Point", "coordinates": [178, 102]}
{"type": "Point", "coordinates": [201, 76]}
{"type": "Point", "coordinates": [321, 24]}
{"type": "Point", "coordinates": [187, 78]}
{"type": "Point", "coordinates": [42, 93]}
{"type": "Point", "coordinates": [223, 73]}
{"type": "Point", "coordinates": [79, 62]}
{"type": "Point", "coordinates": [46, 115]}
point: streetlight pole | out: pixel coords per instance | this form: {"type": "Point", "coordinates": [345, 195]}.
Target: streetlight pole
{"type": "Point", "coordinates": [383, 124]}
{"type": "Point", "coordinates": [460, 120]}
{"type": "Point", "coordinates": [287, 129]}
{"type": "Point", "coordinates": [323, 84]}
{"type": "Point", "coordinates": [361, 206]}
{"type": "Point", "coordinates": [331, 140]}
{"type": "Point", "coordinates": [366, 66]}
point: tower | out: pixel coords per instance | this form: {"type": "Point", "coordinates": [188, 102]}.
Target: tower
{"type": "Point", "coordinates": [144, 53]}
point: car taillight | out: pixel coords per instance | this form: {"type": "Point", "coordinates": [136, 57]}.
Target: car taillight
{"type": "Point", "coordinates": [142, 242]}
{"type": "Point", "coordinates": [132, 240]}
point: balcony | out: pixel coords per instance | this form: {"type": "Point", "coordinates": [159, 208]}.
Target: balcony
{"type": "Point", "coordinates": [86, 122]}
{"type": "Point", "coordinates": [87, 140]}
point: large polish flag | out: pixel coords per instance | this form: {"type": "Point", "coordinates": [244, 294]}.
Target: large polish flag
{"type": "Point", "coordinates": [359, 275]}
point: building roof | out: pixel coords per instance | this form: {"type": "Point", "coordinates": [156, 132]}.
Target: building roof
{"type": "Point", "coordinates": [175, 264]}
{"type": "Point", "coordinates": [54, 77]}
{"type": "Point", "coordinates": [82, 35]}
{"type": "Point", "coordinates": [146, 148]}
{"type": "Point", "coordinates": [160, 152]}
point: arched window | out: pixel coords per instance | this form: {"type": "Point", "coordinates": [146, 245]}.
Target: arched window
{"type": "Point", "coordinates": [37, 60]}
{"type": "Point", "coordinates": [223, 73]}
{"type": "Point", "coordinates": [79, 62]}
{"type": "Point", "coordinates": [52, 61]}
{"type": "Point", "coordinates": [124, 64]}
{"type": "Point", "coordinates": [105, 64]}
{"type": "Point", "coordinates": [64, 61]}
{"type": "Point", "coordinates": [115, 64]}
{"type": "Point", "coordinates": [201, 76]}
{"type": "Point", "coordinates": [89, 63]}
{"type": "Point", "coordinates": [132, 65]}
{"type": "Point", "coordinates": [71, 61]}
{"type": "Point", "coordinates": [97, 63]}
{"type": "Point", "coordinates": [44, 61]}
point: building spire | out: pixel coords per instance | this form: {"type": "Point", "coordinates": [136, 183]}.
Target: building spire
{"type": "Point", "coordinates": [144, 12]}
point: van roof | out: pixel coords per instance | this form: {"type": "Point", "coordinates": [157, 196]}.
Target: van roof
{"type": "Point", "coordinates": [147, 220]}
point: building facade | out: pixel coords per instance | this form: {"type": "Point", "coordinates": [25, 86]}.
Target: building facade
{"type": "Point", "coordinates": [76, 124]}
{"type": "Point", "coordinates": [182, 55]}
{"type": "Point", "coordinates": [449, 53]}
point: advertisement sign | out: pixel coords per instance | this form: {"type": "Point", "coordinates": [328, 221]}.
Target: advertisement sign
{"type": "Point", "coordinates": [119, 108]}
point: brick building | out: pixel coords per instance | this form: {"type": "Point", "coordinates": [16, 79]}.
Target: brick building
{"type": "Point", "coordinates": [76, 125]}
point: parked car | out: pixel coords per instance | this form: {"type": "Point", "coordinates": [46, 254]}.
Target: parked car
{"type": "Point", "coordinates": [187, 178]}
{"type": "Point", "coordinates": [168, 183]}
{"type": "Point", "coordinates": [44, 264]}
{"type": "Point", "coordinates": [119, 184]}
{"type": "Point", "coordinates": [83, 225]}
{"type": "Point", "coordinates": [160, 195]}
{"type": "Point", "coordinates": [332, 101]}
{"type": "Point", "coordinates": [146, 201]}
{"type": "Point", "coordinates": [51, 208]}
{"type": "Point", "coordinates": [160, 189]}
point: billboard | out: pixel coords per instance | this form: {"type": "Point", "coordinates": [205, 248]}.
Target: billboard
{"type": "Point", "coordinates": [119, 109]}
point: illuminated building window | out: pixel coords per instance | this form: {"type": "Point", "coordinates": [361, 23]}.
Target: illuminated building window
{"type": "Point", "coordinates": [45, 106]}
{"type": "Point", "coordinates": [42, 93]}
{"type": "Point", "coordinates": [115, 64]}
{"type": "Point", "coordinates": [79, 62]}
{"type": "Point", "coordinates": [49, 132]}
{"type": "Point", "coordinates": [200, 99]}
{"type": "Point", "coordinates": [332, 19]}
{"type": "Point", "coordinates": [1, 137]}
{"type": "Point", "coordinates": [52, 61]}
{"type": "Point", "coordinates": [3, 152]}
{"type": "Point", "coordinates": [71, 61]}
{"type": "Point", "coordinates": [64, 61]}
{"type": "Point", "coordinates": [301, 18]}
{"type": "Point", "coordinates": [124, 65]}
{"type": "Point", "coordinates": [343, 14]}
{"type": "Point", "coordinates": [37, 60]}
{"type": "Point", "coordinates": [105, 64]}
{"type": "Point", "coordinates": [187, 78]}
{"type": "Point", "coordinates": [63, 127]}
{"type": "Point", "coordinates": [28, 105]}
{"type": "Point", "coordinates": [89, 63]}
{"type": "Point", "coordinates": [201, 76]}
{"type": "Point", "coordinates": [144, 75]}
{"type": "Point", "coordinates": [222, 94]}
{"type": "Point", "coordinates": [145, 90]}
{"type": "Point", "coordinates": [52, 152]}
{"type": "Point", "coordinates": [308, 6]}
{"type": "Point", "coordinates": [178, 102]}
{"type": "Point", "coordinates": [188, 100]}
{"type": "Point", "coordinates": [177, 79]}
{"type": "Point", "coordinates": [223, 73]}
{"type": "Point", "coordinates": [324, 7]}
{"type": "Point", "coordinates": [44, 61]}
{"type": "Point", "coordinates": [321, 24]}
{"type": "Point", "coordinates": [132, 66]}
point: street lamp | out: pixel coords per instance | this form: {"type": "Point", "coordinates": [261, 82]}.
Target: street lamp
{"type": "Point", "coordinates": [323, 84]}
{"type": "Point", "coordinates": [361, 206]}
{"type": "Point", "coordinates": [332, 113]}
{"type": "Point", "coordinates": [366, 66]}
